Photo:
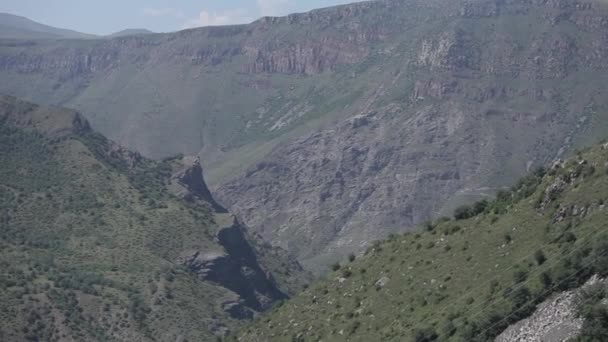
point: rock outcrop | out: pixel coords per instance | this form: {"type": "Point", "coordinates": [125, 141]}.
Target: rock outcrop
{"type": "Point", "coordinates": [555, 320]}
{"type": "Point", "coordinates": [237, 269]}
{"type": "Point", "coordinates": [188, 183]}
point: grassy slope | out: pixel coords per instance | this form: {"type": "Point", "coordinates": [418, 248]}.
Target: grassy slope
{"type": "Point", "coordinates": [88, 247]}
{"type": "Point", "coordinates": [459, 280]}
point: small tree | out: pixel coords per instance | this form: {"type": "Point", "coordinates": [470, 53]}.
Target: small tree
{"type": "Point", "coordinates": [425, 335]}
{"type": "Point", "coordinates": [539, 256]}
{"type": "Point", "coordinates": [545, 280]}
{"type": "Point", "coordinates": [463, 212]}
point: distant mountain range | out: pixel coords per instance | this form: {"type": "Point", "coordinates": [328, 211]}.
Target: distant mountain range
{"type": "Point", "coordinates": [131, 32]}
{"type": "Point", "coordinates": [18, 27]}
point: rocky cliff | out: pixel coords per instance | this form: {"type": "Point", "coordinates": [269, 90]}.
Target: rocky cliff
{"type": "Point", "coordinates": [469, 106]}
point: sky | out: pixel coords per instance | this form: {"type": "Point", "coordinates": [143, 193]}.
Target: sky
{"type": "Point", "coordinates": [109, 16]}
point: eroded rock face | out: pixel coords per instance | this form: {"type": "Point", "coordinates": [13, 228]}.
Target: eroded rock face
{"type": "Point", "coordinates": [334, 192]}
{"type": "Point", "coordinates": [462, 133]}
{"type": "Point", "coordinates": [188, 183]}
{"type": "Point", "coordinates": [237, 269]}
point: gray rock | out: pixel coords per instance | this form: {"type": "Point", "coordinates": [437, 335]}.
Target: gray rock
{"type": "Point", "coordinates": [382, 281]}
{"type": "Point", "coordinates": [555, 320]}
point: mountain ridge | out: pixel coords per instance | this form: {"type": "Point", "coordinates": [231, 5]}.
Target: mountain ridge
{"type": "Point", "coordinates": [131, 32]}
{"type": "Point", "coordinates": [99, 242]}
{"type": "Point", "coordinates": [18, 27]}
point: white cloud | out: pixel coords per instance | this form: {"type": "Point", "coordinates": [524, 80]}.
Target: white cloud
{"type": "Point", "coordinates": [230, 17]}
{"type": "Point", "coordinates": [163, 12]}
{"type": "Point", "coordinates": [275, 7]}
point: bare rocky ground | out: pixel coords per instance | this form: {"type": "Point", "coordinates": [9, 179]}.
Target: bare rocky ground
{"type": "Point", "coordinates": [555, 320]}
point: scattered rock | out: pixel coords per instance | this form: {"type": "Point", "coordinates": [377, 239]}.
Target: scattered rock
{"type": "Point", "coordinates": [552, 191]}
{"type": "Point", "coordinates": [554, 320]}
{"type": "Point", "coordinates": [382, 281]}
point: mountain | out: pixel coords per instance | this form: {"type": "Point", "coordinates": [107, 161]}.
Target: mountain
{"type": "Point", "coordinates": [469, 277]}
{"type": "Point", "coordinates": [17, 27]}
{"type": "Point", "coordinates": [326, 130]}
{"type": "Point", "coordinates": [101, 244]}
{"type": "Point", "coordinates": [131, 32]}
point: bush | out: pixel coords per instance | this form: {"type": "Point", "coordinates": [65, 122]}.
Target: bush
{"type": "Point", "coordinates": [335, 266]}
{"type": "Point", "coordinates": [463, 212]}
{"type": "Point", "coordinates": [591, 307]}
{"type": "Point", "coordinates": [520, 276]}
{"type": "Point", "coordinates": [546, 280]}
{"type": "Point", "coordinates": [425, 335]}
{"type": "Point", "coordinates": [351, 257]}
{"type": "Point", "coordinates": [480, 207]}
{"type": "Point", "coordinates": [600, 257]}
{"type": "Point", "coordinates": [540, 257]}
{"type": "Point", "coordinates": [466, 211]}
{"type": "Point", "coordinates": [520, 297]}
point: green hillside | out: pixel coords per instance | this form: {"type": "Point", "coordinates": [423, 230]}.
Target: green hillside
{"type": "Point", "coordinates": [465, 278]}
{"type": "Point", "coordinates": [94, 245]}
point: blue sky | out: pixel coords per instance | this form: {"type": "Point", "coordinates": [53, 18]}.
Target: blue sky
{"type": "Point", "coordinates": [107, 16]}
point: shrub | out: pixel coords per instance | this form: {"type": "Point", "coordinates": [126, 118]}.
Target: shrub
{"type": "Point", "coordinates": [463, 212]}
{"type": "Point", "coordinates": [425, 335]}
{"type": "Point", "coordinates": [591, 307]}
{"type": "Point", "coordinates": [520, 297]}
{"type": "Point", "coordinates": [335, 266]}
{"type": "Point", "coordinates": [346, 273]}
{"type": "Point", "coordinates": [600, 257]}
{"type": "Point", "coordinates": [480, 207]}
{"type": "Point", "coordinates": [520, 276]}
{"type": "Point", "coordinates": [351, 257]}
{"type": "Point", "coordinates": [546, 280]}
{"type": "Point", "coordinates": [540, 257]}
{"type": "Point", "coordinates": [448, 328]}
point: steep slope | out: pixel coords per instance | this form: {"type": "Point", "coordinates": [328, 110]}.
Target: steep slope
{"type": "Point", "coordinates": [17, 27]}
{"type": "Point", "coordinates": [101, 244]}
{"type": "Point", "coordinates": [316, 126]}
{"type": "Point", "coordinates": [472, 103]}
{"type": "Point", "coordinates": [468, 278]}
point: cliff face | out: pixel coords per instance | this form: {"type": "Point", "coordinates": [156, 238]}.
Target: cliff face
{"type": "Point", "coordinates": [317, 127]}
{"type": "Point", "coordinates": [188, 183]}
{"type": "Point", "coordinates": [245, 265]}
{"type": "Point", "coordinates": [336, 191]}
{"type": "Point", "coordinates": [238, 270]}
{"type": "Point", "coordinates": [466, 109]}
